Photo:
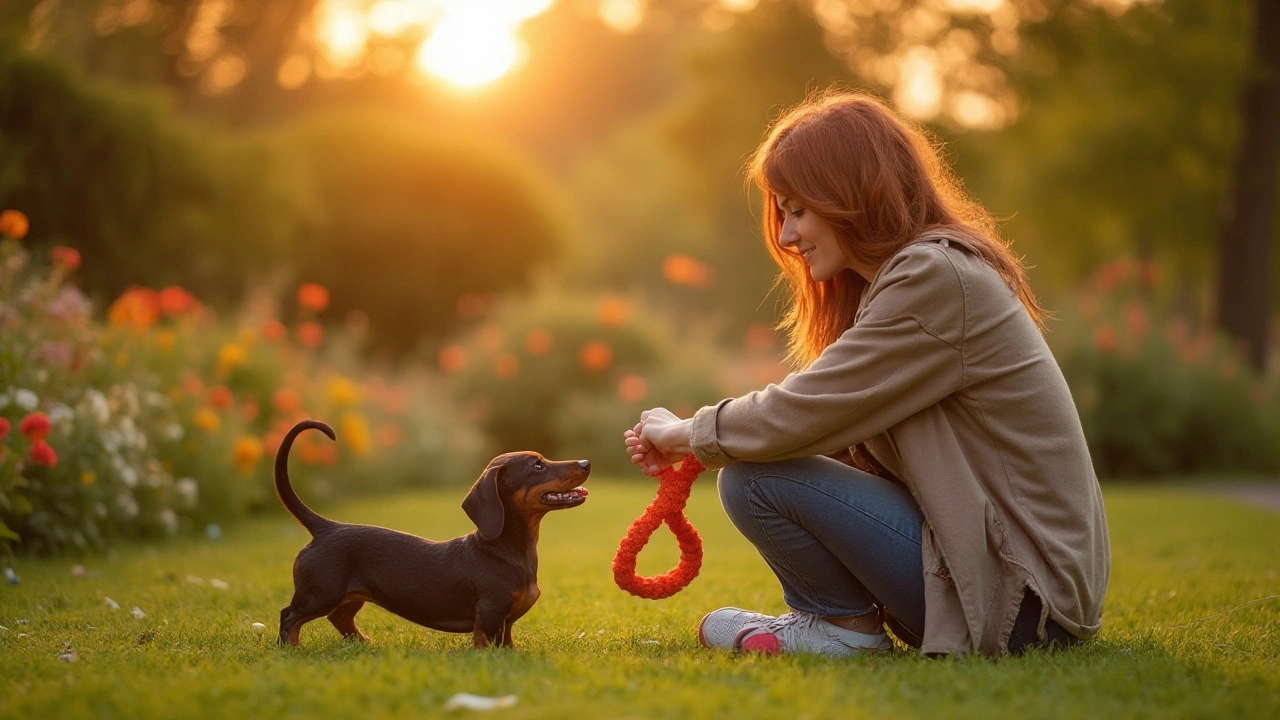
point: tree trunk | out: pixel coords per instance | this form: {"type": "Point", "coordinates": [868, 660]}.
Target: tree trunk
{"type": "Point", "coordinates": [1244, 270]}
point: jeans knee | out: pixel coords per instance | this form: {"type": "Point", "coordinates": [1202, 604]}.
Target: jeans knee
{"type": "Point", "coordinates": [735, 483]}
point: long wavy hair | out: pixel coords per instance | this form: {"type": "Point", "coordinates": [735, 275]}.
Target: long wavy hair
{"type": "Point", "coordinates": [878, 181]}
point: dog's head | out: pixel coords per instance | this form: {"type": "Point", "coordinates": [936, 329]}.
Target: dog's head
{"type": "Point", "coordinates": [527, 485]}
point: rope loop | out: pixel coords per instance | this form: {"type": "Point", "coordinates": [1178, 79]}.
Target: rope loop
{"type": "Point", "coordinates": [668, 507]}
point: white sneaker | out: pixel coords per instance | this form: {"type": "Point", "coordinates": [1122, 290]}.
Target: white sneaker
{"type": "Point", "coordinates": [720, 628]}
{"type": "Point", "coordinates": [798, 632]}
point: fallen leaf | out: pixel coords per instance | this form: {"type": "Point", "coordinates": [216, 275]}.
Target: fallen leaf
{"type": "Point", "coordinates": [467, 701]}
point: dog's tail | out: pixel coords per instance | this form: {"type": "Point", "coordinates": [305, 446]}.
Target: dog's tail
{"type": "Point", "coordinates": [310, 519]}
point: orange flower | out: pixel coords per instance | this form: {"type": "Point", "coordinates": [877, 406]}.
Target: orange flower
{"type": "Point", "coordinates": [137, 308]}
{"type": "Point", "coordinates": [633, 388]}
{"type": "Point", "coordinates": [220, 397]}
{"type": "Point", "coordinates": [176, 301]}
{"type": "Point", "coordinates": [65, 258]}
{"type": "Point", "coordinates": [14, 224]}
{"type": "Point", "coordinates": [249, 411]}
{"type": "Point", "coordinates": [273, 330]}
{"type": "Point", "coordinates": [453, 359]}
{"type": "Point", "coordinates": [355, 432]}
{"type": "Point", "coordinates": [311, 334]}
{"type": "Point", "coordinates": [595, 356]}
{"type": "Point", "coordinates": [246, 452]}
{"type": "Point", "coordinates": [1104, 339]}
{"type": "Point", "coordinates": [538, 341]}
{"type": "Point", "coordinates": [1135, 319]}
{"type": "Point", "coordinates": [286, 400]}
{"type": "Point", "coordinates": [207, 420]}
{"type": "Point", "coordinates": [681, 269]}
{"type": "Point", "coordinates": [313, 296]}
{"type": "Point", "coordinates": [43, 454]}
{"type": "Point", "coordinates": [35, 426]}
{"type": "Point", "coordinates": [612, 312]}
{"type": "Point", "coordinates": [506, 365]}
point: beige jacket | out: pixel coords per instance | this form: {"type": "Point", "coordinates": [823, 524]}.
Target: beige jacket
{"type": "Point", "coordinates": [951, 386]}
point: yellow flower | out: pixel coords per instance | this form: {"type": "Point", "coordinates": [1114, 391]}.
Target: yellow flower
{"type": "Point", "coordinates": [355, 432]}
{"type": "Point", "coordinates": [230, 356]}
{"type": "Point", "coordinates": [342, 391]}
{"type": "Point", "coordinates": [122, 359]}
{"type": "Point", "coordinates": [206, 419]}
{"type": "Point", "coordinates": [88, 478]}
{"type": "Point", "coordinates": [165, 340]}
{"type": "Point", "coordinates": [246, 452]}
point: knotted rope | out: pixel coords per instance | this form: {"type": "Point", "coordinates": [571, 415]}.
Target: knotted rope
{"type": "Point", "coordinates": [668, 506]}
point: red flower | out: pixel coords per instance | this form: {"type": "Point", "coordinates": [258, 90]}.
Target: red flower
{"type": "Point", "coordinates": [35, 426]}
{"type": "Point", "coordinates": [313, 296]}
{"type": "Point", "coordinates": [176, 301]}
{"type": "Point", "coordinates": [4, 427]}
{"type": "Point", "coordinates": [311, 334]}
{"type": "Point", "coordinates": [68, 259]}
{"type": "Point", "coordinates": [43, 454]}
{"type": "Point", "coordinates": [220, 397]}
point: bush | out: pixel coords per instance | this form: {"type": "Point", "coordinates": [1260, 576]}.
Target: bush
{"type": "Point", "coordinates": [164, 419]}
{"type": "Point", "coordinates": [147, 197]}
{"type": "Point", "coordinates": [414, 218]}
{"type": "Point", "coordinates": [1156, 397]}
{"type": "Point", "coordinates": [565, 374]}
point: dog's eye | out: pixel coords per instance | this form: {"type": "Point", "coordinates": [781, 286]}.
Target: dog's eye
{"type": "Point", "coordinates": [538, 466]}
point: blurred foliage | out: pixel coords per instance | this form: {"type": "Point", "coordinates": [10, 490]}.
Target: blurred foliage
{"type": "Point", "coordinates": [145, 196]}
{"type": "Point", "coordinates": [164, 419]}
{"type": "Point", "coordinates": [415, 217]}
{"type": "Point", "coordinates": [1159, 394]}
{"type": "Point", "coordinates": [564, 372]}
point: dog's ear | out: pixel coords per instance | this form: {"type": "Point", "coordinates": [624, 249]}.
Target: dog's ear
{"type": "Point", "coordinates": [484, 506]}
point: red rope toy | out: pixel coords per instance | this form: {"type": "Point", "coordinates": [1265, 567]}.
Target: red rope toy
{"type": "Point", "coordinates": [668, 507]}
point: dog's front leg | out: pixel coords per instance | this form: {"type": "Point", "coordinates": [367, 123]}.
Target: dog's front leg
{"type": "Point", "coordinates": [488, 629]}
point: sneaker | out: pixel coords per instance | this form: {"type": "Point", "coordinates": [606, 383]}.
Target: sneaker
{"type": "Point", "coordinates": [798, 632]}
{"type": "Point", "coordinates": [720, 628]}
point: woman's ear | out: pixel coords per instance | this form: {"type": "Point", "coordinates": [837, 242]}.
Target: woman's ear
{"type": "Point", "coordinates": [484, 506]}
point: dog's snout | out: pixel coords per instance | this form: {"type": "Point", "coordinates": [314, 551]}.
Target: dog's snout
{"type": "Point", "coordinates": [585, 465]}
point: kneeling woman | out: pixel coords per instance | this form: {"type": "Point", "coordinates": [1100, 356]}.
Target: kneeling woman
{"type": "Point", "coordinates": [925, 470]}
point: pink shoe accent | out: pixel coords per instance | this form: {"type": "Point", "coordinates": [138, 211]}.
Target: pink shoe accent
{"type": "Point", "coordinates": [762, 642]}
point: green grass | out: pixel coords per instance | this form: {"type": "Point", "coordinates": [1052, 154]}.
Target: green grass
{"type": "Point", "coordinates": [589, 650]}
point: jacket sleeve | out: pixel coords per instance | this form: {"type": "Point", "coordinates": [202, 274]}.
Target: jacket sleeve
{"type": "Point", "coordinates": [903, 354]}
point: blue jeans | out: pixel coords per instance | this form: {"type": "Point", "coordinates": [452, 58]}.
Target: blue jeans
{"type": "Point", "coordinates": [842, 542]}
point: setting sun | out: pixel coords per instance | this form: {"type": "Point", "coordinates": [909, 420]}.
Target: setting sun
{"type": "Point", "coordinates": [470, 48]}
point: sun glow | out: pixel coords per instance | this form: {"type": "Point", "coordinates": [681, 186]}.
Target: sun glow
{"type": "Point", "coordinates": [468, 43]}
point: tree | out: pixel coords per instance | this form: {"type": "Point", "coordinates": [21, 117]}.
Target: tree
{"type": "Point", "coordinates": [1245, 264]}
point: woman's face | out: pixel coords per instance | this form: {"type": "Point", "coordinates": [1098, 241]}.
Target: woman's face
{"type": "Point", "coordinates": [813, 239]}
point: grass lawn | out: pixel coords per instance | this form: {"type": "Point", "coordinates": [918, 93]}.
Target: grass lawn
{"type": "Point", "coordinates": [589, 650]}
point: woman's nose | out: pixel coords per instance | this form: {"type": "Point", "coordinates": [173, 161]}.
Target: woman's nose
{"type": "Point", "coordinates": [788, 236]}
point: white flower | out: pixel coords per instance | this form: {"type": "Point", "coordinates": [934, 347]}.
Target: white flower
{"type": "Point", "coordinates": [128, 506]}
{"type": "Point", "coordinates": [169, 520]}
{"type": "Point", "coordinates": [26, 399]}
{"type": "Point", "coordinates": [173, 432]}
{"type": "Point", "coordinates": [188, 492]}
{"type": "Point", "coordinates": [128, 476]}
{"type": "Point", "coordinates": [61, 415]}
{"type": "Point", "coordinates": [154, 399]}
{"type": "Point", "coordinates": [94, 404]}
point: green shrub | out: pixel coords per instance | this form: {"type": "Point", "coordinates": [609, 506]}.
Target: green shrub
{"type": "Point", "coordinates": [1156, 397]}
{"type": "Point", "coordinates": [415, 217]}
{"type": "Point", "coordinates": [147, 197]}
{"type": "Point", "coordinates": [565, 374]}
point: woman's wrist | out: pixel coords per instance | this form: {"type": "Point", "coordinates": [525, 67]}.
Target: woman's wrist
{"type": "Point", "coordinates": [680, 439]}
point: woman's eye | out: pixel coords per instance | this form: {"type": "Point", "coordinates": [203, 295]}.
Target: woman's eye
{"type": "Point", "coordinates": [797, 212]}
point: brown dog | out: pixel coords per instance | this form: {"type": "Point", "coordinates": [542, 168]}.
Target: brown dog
{"type": "Point", "coordinates": [479, 583]}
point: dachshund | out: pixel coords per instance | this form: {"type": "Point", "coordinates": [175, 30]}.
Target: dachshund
{"type": "Point", "coordinates": [480, 583]}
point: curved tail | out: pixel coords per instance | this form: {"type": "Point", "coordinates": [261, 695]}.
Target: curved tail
{"type": "Point", "coordinates": [310, 519]}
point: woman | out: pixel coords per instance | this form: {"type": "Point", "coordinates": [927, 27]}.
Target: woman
{"type": "Point", "coordinates": [925, 470]}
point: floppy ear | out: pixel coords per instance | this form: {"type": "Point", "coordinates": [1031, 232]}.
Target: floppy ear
{"type": "Point", "coordinates": [483, 505]}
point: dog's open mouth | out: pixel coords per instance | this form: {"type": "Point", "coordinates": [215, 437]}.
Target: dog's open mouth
{"type": "Point", "coordinates": [568, 498]}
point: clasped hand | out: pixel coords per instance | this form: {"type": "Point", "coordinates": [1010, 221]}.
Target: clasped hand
{"type": "Point", "coordinates": [658, 441]}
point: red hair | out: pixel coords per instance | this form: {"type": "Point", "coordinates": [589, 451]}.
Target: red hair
{"type": "Point", "coordinates": [879, 182]}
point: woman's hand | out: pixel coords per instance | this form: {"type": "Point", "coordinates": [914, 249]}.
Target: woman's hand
{"type": "Point", "coordinates": [658, 441]}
